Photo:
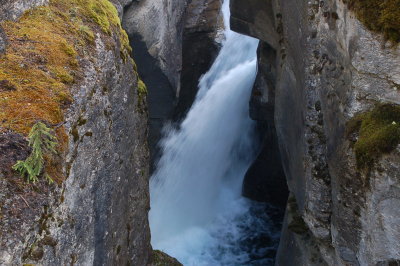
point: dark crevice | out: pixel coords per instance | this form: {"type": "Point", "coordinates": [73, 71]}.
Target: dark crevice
{"type": "Point", "coordinates": [160, 94]}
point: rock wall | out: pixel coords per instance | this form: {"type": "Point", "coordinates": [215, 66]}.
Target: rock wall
{"type": "Point", "coordinates": [329, 70]}
{"type": "Point", "coordinates": [12, 9]}
{"type": "Point", "coordinates": [203, 29]}
{"type": "Point", "coordinates": [160, 97]}
{"type": "Point", "coordinates": [96, 211]}
{"type": "Point", "coordinates": [182, 37]}
{"type": "Point", "coordinates": [265, 180]}
{"type": "Point", "coordinates": [160, 23]}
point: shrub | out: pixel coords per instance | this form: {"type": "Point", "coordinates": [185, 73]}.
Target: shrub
{"type": "Point", "coordinates": [42, 141]}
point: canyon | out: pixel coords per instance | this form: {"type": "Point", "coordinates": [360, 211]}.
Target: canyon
{"type": "Point", "coordinates": [324, 105]}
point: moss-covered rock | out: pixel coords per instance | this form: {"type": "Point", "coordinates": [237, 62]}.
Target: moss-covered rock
{"type": "Point", "coordinates": [379, 16]}
{"type": "Point", "coordinates": [159, 258]}
{"type": "Point", "coordinates": [378, 132]}
{"type": "Point", "coordinates": [41, 60]}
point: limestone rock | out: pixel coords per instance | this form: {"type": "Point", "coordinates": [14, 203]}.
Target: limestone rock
{"type": "Point", "coordinates": [255, 18]}
{"type": "Point", "coordinates": [13, 9]}
{"type": "Point", "coordinates": [160, 25]}
{"type": "Point", "coordinates": [98, 215]}
{"type": "Point", "coordinates": [176, 29]}
{"type": "Point", "coordinates": [265, 180]}
{"type": "Point", "coordinates": [3, 41]}
{"type": "Point", "coordinates": [329, 67]}
{"type": "Point", "coordinates": [181, 37]}
{"type": "Point", "coordinates": [202, 25]}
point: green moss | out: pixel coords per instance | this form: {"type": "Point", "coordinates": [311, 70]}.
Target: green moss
{"type": "Point", "coordinates": [159, 258]}
{"type": "Point", "coordinates": [87, 33]}
{"type": "Point", "coordinates": [378, 133]}
{"type": "Point", "coordinates": [68, 49]}
{"type": "Point", "coordinates": [296, 222]}
{"type": "Point", "coordinates": [75, 133]}
{"type": "Point", "coordinates": [141, 92]}
{"type": "Point", "coordinates": [41, 64]}
{"type": "Point", "coordinates": [62, 74]}
{"type": "Point", "coordinates": [41, 58]}
{"type": "Point", "coordinates": [379, 16]}
{"type": "Point", "coordinates": [103, 13]}
{"type": "Point", "coordinates": [48, 241]}
{"type": "Point", "coordinates": [142, 89]}
{"type": "Point", "coordinates": [82, 121]}
{"type": "Point", "coordinates": [297, 225]}
{"type": "Point", "coordinates": [64, 97]}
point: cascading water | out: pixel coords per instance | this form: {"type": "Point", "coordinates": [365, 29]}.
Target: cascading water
{"type": "Point", "coordinates": [197, 212]}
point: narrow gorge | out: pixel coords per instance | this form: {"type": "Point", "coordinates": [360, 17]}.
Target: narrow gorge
{"type": "Point", "coordinates": [199, 132]}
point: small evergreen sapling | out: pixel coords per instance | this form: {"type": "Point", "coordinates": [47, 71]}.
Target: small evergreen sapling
{"type": "Point", "coordinates": [41, 140]}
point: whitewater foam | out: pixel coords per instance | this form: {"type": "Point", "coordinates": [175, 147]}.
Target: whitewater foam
{"type": "Point", "coordinates": [197, 212]}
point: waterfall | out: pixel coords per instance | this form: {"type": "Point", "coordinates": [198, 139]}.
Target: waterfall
{"type": "Point", "coordinates": [197, 212]}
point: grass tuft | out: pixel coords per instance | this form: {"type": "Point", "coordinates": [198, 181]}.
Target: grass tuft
{"type": "Point", "coordinates": [378, 133]}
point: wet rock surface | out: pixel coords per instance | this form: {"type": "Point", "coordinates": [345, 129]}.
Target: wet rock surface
{"type": "Point", "coordinates": [265, 180]}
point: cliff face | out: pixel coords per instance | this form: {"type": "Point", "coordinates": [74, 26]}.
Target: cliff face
{"type": "Point", "coordinates": [96, 211]}
{"type": "Point", "coordinates": [178, 34]}
{"type": "Point", "coordinates": [160, 25]}
{"type": "Point", "coordinates": [335, 97]}
{"type": "Point", "coordinates": [176, 39]}
{"type": "Point", "coordinates": [203, 27]}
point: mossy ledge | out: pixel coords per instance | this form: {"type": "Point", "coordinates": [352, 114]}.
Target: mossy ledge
{"type": "Point", "coordinates": [42, 61]}
{"type": "Point", "coordinates": [377, 132]}
{"type": "Point", "coordinates": [159, 258]}
{"type": "Point", "coordinates": [379, 16]}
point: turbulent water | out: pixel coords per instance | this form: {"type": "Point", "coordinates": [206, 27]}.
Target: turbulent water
{"type": "Point", "coordinates": [197, 212]}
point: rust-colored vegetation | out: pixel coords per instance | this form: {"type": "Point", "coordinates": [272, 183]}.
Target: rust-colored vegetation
{"type": "Point", "coordinates": [41, 62]}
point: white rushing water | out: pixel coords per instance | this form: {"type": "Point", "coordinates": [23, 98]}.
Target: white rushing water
{"type": "Point", "coordinates": [197, 212]}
